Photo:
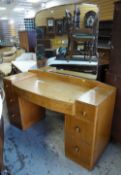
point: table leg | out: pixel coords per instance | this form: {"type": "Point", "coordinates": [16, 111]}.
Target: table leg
{"type": "Point", "coordinates": [30, 113]}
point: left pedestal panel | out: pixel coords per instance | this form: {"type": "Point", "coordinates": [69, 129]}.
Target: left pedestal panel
{"type": "Point", "coordinates": [12, 104]}
{"type": "Point", "coordinates": [22, 114]}
{"type": "Point", "coordinates": [30, 113]}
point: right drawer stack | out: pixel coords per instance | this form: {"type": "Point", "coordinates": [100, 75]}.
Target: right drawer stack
{"type": "Point", "coordinates": [79, 135]}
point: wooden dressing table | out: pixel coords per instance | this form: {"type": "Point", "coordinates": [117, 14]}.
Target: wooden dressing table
{"type": "Point", "coordinates": [88, 107]}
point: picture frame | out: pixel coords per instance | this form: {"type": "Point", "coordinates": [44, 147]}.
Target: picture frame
{"type": "Point", "coordinates": [89, 19]}
{"type": "Point", "coordinates": [59, 26]}
{"type": "Point", "coordinates": [50, 26]}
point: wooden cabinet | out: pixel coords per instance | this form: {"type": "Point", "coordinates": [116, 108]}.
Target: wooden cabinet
{"type": "Point", "coordinates": [88, 107]}
{"type": "Point", "coordinates": [114, 75]}
{"type": "Point", "coordinates": [28, 40]}
{"type": "Point", "coordinates": [87, 134]}
{"type": "Point", "coordinates": [104, 48]}
{"type": "Point", "coordinates": [105, 34]}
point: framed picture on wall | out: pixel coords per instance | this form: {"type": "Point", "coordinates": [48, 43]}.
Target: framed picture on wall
{"type": "Point", "coordinates": [89, 19]}
{"type": "Point", "coordinates": [51, 26]}
{"type": "Point", "coordinates": [65, 26]}
{"type": "Point", "coordinates": [59, 26]}
{"type": "Point", "coordinates": [50, 22]}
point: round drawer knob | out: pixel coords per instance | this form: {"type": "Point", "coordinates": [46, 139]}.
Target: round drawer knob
{"type": "Point", "coordinates": [11, 100]}
{"type": "Point", "coordinates": [76, 149]}
{"type": "Point", "coordinates": [6, 85]}
{"type": "Point", "coordinates": [13, 115]}
{"type": "Point", "coordinates": [77, 129]}
{"type": "Point", "coordinates": [83, 113]}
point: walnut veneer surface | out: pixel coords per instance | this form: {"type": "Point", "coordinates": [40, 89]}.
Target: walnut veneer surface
{"type": "Point", "coordinates": [88, 107]}
{"type": "Point", "coordinates": [1, 143]}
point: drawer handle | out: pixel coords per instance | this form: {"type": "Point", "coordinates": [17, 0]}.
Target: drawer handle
{"type": "Point", "coordinates": [11, 100]}
{"type": "Point", "coordinates": [77, 129]}
{"type": "Point", "coordinates": [6, 85]}
{"type": "Point", "coordinates": [83, 113]}
{"type": "Point", "coordinates": [76, 149]}
{"type": "Point", "coordinates": [13, 116]}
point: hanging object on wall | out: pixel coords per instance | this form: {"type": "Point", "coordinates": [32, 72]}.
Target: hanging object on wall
{"type": "Point", "coordinates": [69, 18]}
{"type": "Point", "coordinates": [69, 21]}
{"type": "Point", "coordinates": [89, 19]}
{"type": "Point", "coordinates": [59, 26]}
{"type": "Point", "coordinates": [77, 17]}
{"type": "Point", "coordinates": [51, 26]}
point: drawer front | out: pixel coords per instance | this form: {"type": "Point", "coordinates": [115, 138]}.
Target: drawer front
{"type": "Point", "coordinates": [13, 109]}
{"type": "Point", "coordinates": [14, 113]}
{"type": "Point", "coordinates": [12, 105]}
{"type": "Point", "coordinates": [79, 129]}
{"type": "Point", "coordinates": [85, 111]}
{"type": "Point", "coordinates": [77, 150]}
{"type": "Point", "coordinates": [8, 89]}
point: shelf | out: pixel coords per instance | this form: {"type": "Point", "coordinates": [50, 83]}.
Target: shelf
{"type": "Point", "coordinates": [104, 36]}
{"type": "Point", "coordinates": [104, 46]}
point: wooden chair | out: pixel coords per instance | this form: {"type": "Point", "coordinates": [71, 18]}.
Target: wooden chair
{"type": "Point", "coordinates": [87, 38]}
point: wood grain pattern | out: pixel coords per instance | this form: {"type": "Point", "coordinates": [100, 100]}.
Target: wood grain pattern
{"type": "Point", "coordinates": [1, 143]}
{"type": "Point", "coordinates": [30, 113]}
{"type": "Point", "coordinates": [88, 107]}
{"type": "Point", "coordinates": [113, 76]}
{"type": "Point", "coordinates": [12, 104]}
{"type": "Point", "coordinates": [28, 40]}
{"type": "Point", "coordinates": [103, 126]}
{"type": "Point", "coordinates": [24, 43]}
{"type": "Point", "coordinates": [25, 117]}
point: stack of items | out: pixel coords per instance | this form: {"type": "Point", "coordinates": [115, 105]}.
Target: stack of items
{"type": "Point", "coordinates": [6, 59]}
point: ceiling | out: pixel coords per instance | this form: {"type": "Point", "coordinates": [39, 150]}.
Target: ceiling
{"type": "Point", "coordinates": [13, 13]}
{"type": "Point", "coordinates": [27, 8]}
{"type": "Point", "coordinates": [15, 8]}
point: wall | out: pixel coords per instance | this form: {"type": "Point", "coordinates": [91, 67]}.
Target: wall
{"type": "Point", "coordinates": [9, 31]}
{"type": "Point", "coordinates": [59, 12]}
{"type": "Point", "coordinates": [106, 8]}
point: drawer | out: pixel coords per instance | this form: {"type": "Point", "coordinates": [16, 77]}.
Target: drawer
{"type": "Point", "coordinates": [11, 101]}
{"type": "Point", "coordinates": [8, 90]}
{"type": "Point", "coordinates": [80, 129]}
{"type": "Point", "coordinates": [12, 105]}
{"type": "Point", "coordinates": [77, 150]}
{"type": "Point", "coordinates": [14, 114]}
{"type": "Point", "coordinates": [15, 119]}
{"type": "Point", "coordinates": [12, 110]}
{"type": "Point", "coordinates": [85, 111]}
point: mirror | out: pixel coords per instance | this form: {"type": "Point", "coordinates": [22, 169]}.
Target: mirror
{"type": "Point", "coordinates": [67, 37]}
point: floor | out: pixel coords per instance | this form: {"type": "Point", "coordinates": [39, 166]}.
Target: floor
{"type": "Point", "coordinates": [40, 150]}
